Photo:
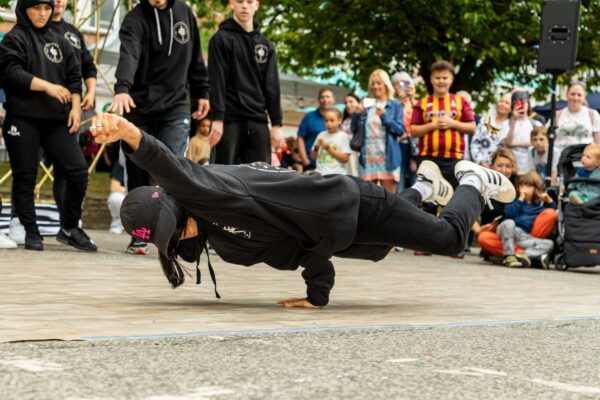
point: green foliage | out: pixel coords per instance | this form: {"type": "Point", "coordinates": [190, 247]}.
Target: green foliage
{"type": "Point", "coordinates": [485, 39]}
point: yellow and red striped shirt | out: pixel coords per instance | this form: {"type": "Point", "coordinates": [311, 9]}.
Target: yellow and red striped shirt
{"type": "Point", "coordinates": [447, 143]}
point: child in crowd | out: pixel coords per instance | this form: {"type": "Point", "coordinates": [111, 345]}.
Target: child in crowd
{"type": "Point", "coordinates": [199, 149]}
{"type": "Point", "coordinates": [582, 192]}
{"type": "Point", "coordinates": [519, 217]}
{"type": "Point", "coordinates": [289, 155]}
{"type": "Point", "coordinates": [332, 147]}
{"type": "Point", "coordinates": [538, 154]}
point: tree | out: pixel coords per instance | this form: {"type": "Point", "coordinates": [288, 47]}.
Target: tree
{"type": "Point", "coordinates": [485, 39]}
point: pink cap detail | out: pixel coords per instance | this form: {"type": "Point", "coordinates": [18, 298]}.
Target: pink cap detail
{"type": "Point", "coordinates": [143, 233]}
{"type": "Point", "coordinates": [155, 195]}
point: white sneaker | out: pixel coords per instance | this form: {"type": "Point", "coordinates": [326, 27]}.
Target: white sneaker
{"type": "Point", "coordinates": [494, 185]}
{"type": "Point", "coordinates": [116, 227]}
{"type": "Point", "coordinates": [429, 173]}
{"type": "Point", "coordinates": [6, 243]}
{"type": "Point", "coordinates": [16, 231]}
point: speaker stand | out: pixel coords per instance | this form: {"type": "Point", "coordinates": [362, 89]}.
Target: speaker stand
{"type": "Point", "coordinates": [552, 128]}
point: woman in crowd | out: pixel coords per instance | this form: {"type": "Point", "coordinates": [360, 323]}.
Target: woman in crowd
{"type": "Point", "coordinates": [404, 92]}
{"type": "Point", "coordinates": [353, 105]}
{"type": "Point", "coordinates": [41, 76]}
{"type": "Point", "coordinates": [491, 132]}
{"type": "Point", "coordinates": [577, 123]}
{"type": "Point", "coordinates": [505, 162]}
{"type": "Point", "coordinates": [382, 125]}
{"type": "Point", "coordinates": [520, 127]}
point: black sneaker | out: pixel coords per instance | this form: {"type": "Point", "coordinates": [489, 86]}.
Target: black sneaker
{"type": "Point", "coordinates": [34, 241]}
{"type": "Point", "coordinates": [77, 238]}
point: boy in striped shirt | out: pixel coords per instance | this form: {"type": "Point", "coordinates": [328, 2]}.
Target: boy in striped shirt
{"type": "Point", "coordinates": [441, 120]}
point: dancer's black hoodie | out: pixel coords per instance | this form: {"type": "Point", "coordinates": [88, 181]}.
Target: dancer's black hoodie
{"type": "Point", "coordinates": [244, 79]}
{"type": "Point", "coordinates": [258, 213]}
{"type": "Point", "coordinates": [160, 61]}
{"type": "Point", "coordinates": [27, 52]}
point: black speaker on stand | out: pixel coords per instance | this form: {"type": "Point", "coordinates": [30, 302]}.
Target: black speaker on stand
{"type": "Point", "coordinates": [559, 31]}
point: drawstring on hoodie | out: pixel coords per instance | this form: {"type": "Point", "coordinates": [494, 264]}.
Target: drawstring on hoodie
{"type": "Point", "coordinates": [158, 29]}
{"type": "Point", "coordinates": [171, 42]}
{"type": "Point", "coordinates": [210, 268]}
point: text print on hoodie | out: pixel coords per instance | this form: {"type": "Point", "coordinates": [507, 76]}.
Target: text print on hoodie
{"type": "Point", "coordinates": [160, 60]}
{"type": "Point", "coordinates": [27, 52]}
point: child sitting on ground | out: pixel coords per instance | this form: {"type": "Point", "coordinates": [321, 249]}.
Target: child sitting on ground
{"type": "Point", "coordinates": [332, 147]}
{"type": "Point", "coordinates": [538, 154]}
{"type": "Point", "coordinates": [199, 149]}
{"type": "Point", "coordinates": [582, 192]}
{"type": "Point", "coordinates": [519, 217]}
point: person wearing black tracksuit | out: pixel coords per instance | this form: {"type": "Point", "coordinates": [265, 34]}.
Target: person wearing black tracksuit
{"type": "Point", "coordinates": [244, 90]}
{"type": "Point", "coordinates": [160, 68]}
{"type": "Point", "coordinates": [88, 73]}
{"type": "Point", "coordinates": [41, 76]}
{"type": "Point", "coordinates": [253, 213]}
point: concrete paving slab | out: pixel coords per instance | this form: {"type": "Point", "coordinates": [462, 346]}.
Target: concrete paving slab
{"type": "Point", "coordinates": [65, 294]}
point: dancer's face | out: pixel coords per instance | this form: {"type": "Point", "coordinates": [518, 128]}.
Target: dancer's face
{"type": "Point", "coordinates": [39, 14]}
{"type": "Point", "coordinates": [190, 230]}
{"type": "Point", "coordinates": [504, 166]}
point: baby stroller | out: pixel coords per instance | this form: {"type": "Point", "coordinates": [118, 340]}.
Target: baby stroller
{"type": "Point", "coordinates": [578, 236]}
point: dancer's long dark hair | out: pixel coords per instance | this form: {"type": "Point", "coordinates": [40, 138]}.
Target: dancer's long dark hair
{"type": "Point", "coordinates": [189, 250]}
{"type": "Point", "coordinates": [174, 272]}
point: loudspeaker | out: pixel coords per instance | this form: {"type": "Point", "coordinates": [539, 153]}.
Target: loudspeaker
{"type": "Point", "coordinates": [559, 31]}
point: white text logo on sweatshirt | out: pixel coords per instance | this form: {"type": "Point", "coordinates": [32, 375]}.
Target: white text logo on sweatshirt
{"type": "Point", "coordinates": [73, 39]}
{"type": "Point", "coordinates": [181, 33]}
{"type": "Point", "coordinates": [261, 52]}
{"type": "Point", "coordinates": [13, 131]}
{"type": "Point", "coordinates": [53, 52]}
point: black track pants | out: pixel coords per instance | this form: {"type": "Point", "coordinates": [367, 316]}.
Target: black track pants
{"type": "Point", "coordinates": [243, 142]}
{"type": "Point", "coordinates": [24, 138]}
{"type": "Point", "coordinates": [386, 218]}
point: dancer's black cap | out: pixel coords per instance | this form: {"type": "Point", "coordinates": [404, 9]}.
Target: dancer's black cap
{"type": "Point", "coordinates": [150, 215]}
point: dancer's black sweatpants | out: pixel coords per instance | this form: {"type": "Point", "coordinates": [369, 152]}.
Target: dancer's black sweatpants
{"type": "Point", "coordinates": [387, 219]}
{"type": "Point", "coordinates": [23, 146]}
{"type": "Point", "coordinates": [243, 142]}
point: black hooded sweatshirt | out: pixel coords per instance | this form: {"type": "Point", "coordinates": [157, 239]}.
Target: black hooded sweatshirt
{"type": "Point", "coordinates": [244, 79]}
{"type": "Point", "coordinates": [160, 60]}
{"type": "Point", "coordinates": [75, 38]}
{"type": "Point", "coordinates": [27, 52]}
{"type": "Point", "coordinates": [256, 213]}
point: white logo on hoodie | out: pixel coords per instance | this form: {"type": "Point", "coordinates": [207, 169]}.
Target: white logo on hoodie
{"type": "Point", "coordinates": [13, 131]}
{"type": "Point", "coordinates": [73, 39]}
{"type": "Point", "coordinates": [181, 33]}
{"type": "Point", "coordinates": [261, 52]}
{"type": "Point", "coordinates": [53, 52]}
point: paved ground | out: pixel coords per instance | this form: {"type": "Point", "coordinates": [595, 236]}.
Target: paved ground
{"type": "Point", "coordinates": [408, 327]}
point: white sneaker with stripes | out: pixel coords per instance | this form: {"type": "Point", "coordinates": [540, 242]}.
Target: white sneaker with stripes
{"type": "Point", "coordinates": [494, 185]}
{"type": "Point", "coordinates": [429, 173]}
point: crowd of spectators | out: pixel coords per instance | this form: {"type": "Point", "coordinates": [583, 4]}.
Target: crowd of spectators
{"type": "Point", "coordinates": [381, 138]}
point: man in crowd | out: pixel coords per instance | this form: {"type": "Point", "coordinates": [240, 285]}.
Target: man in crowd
{"type": "Point", "coordinates": [312, 124]}
{"type": "Point", "coordinates": [160, 68]}
{"type": "Point", "coordinates": [244, 89]}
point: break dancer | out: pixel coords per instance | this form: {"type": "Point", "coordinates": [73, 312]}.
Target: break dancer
{"type": "Point", "coordinates": [254, 213]}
